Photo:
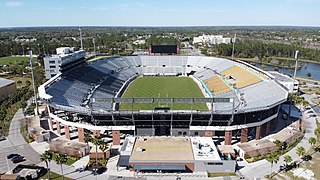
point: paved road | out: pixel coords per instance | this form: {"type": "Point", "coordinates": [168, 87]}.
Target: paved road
{"type": "Point", "coordinates": [16, 144]}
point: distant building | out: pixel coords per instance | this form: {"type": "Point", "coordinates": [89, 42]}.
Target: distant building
{"type": "Point", "coordinates": [286, 81]}
{"type": "Point", "coordinates": [25, 39]}
{"type": "Point", "coordinates": [139, 41]}
{"type": "Point", "coordinates": [211, 39]}
{"type": "Point", "coordinates": [7, 88]}
{"type": "Point", "coordinates": [65, 58]}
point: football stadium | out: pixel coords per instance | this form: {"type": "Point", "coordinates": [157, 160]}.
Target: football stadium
{"type": "Point", "coordinates": [164, 96]}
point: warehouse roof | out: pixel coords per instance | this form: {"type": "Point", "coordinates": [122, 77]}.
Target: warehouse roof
{"type": "Point", "coordinates": [162, 149]}
{"type": "Point", "coordinates": [5, 82]}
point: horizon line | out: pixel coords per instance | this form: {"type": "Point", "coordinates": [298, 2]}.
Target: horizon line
{"type": "Point", "coordinates": [151, 26]}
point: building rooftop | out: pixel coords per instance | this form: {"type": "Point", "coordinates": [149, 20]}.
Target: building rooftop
{"type": "Point", "coordinates": [5, 82]}
{"type": "Point", "coordinates": [164, 149]}
{"type": "Point", "coordinates": [226, 149]}
{"type": "Point", "coordinates": [127, 146]}
{"type": "Point", "coordinates": [204, 149]}
{"type": "Point", "coordinates": [65, 146]}
{"type": "Point", "coordinates": [280, 77]}
{"type": "Point", "coordinates": [285, 134]}
{"type": "Point", "coordinates": [256, 145]}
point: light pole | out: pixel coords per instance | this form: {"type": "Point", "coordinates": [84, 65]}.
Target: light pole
{"type": "Point", "coordinates": [81, 38]}
{"type": "Point", "coordinates": [296, 56]}
{"type": "Point", "coordinates": [233, 42]}
{"type": "Point", "coordinates": [95, 168]}
{"type": "Point", "coordinates": [44, 52]}
{"type": "Point", "coordinates": [94, 46]}
{"type": "Point", "coordinates": [33, 81]}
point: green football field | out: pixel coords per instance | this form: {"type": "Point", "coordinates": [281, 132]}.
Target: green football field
{"type": "Point", "coordinates": [163, 87]}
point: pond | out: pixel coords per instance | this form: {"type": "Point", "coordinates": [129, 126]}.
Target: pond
{"type": "Point", "coordinates": [310, 67]}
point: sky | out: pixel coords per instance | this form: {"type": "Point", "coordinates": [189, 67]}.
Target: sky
{"type": "Point", "coordinates": [29, 13]}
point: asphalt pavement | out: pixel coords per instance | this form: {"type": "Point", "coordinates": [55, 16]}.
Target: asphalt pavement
{"type": "Point", "coordinates": [15, 143]}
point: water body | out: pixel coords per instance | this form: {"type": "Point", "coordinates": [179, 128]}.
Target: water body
{"type": "Point", "coordinates": [312, 68]}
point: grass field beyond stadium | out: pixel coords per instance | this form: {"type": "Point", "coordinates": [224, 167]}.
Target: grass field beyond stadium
{"type": "Point", "coordinates": [163, 87]}
{"type": "Point", "coordinates": [14, 60]}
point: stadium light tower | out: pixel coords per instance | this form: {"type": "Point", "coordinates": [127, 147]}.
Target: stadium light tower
{"type": "Point", "coordinates": [296, 56]}
{"type": "Point", "coordinates": [33, 81]}
{"type": "Point", "coordinates": [233, 42]}
{"type": "Point", "coordinates": [94, 46]}
{"type": "Point", "coordinates": [80, 37]}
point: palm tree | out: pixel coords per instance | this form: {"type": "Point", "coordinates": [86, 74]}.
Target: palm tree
{"type": "Point", "coordinates": [309, 74]}
{"type": "Point", "coordinates": [300, 151]}
{"type": "Point", "coordinates": [96, 141]}
{"type": "Point", "coordinates": [103, 146]}
{"type": "Point", "coordinates": [312, 141]}
{"type": "Point", "coordinates": [273, 157]}
{"type": "Point", "coordinates": [19, 83]}
{"type": "Point", "coordinates": [287, 159]}
{"type": "Point", "coordinates": [61, 159]}
{"type": "Point", "coordinates": [304, 104]}
{"type": "Point", "coordinates": [317, 133]}
{"type": "Point", "coordinates": [87, 138]}
{"type": "Point", "coordinates": [47, 157]}
{"type": "Point", "coordinates": [28, 83]}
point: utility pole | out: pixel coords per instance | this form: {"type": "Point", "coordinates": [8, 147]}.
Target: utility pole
{"type": "Point", "coordinates": [296, 56]}
{"type": "Point", "coordinates": [34, 84]}
{"type": "Point", "coordinates": [233, 42]}
{"type": "Point", "coordinates": [81, 38]}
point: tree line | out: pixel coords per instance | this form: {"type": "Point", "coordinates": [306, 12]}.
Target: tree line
{"type": "Point", "coordinates": [255, 48]}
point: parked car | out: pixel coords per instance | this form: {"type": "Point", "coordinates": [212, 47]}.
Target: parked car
{"type": "Point", "coordinates": [2, 138]}
{"type": "Point", "coordinates": [17, 159]}
{"type": "Point", "coordinates": [313, 115]}
{"type": "Point", "coordinates": [10, 156]}
{"type": "Point", "coordinates": [310, 112]}
{"type": "Point", "coordinates": [282, 167]}
{"type": "Point", "coordinates": [307, 158]}
{"type": "Point", "coordinates": [239, 159]}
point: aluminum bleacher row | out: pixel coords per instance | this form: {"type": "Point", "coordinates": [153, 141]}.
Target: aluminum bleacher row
{"type": "Point", "coordinates": [243, 77]}
{"type": "Point", "coordinates": [217, 85]}
{"type": "Point", "coordinates": [105, 78]}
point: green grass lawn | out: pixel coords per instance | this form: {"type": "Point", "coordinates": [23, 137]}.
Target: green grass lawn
{"type": "Point", "coordinates": [163, 87]}
{"type": "Point", "coordinates": [22, 79]}
{"type": "Point", "coordinates": [13, 60]}
{"type": "Point", "coordinates": [54, 176]}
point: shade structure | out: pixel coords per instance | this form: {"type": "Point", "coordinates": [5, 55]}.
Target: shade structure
{"type": "Point", "coordinates": [172, 167]}
{"type": "Point", "coordinates": [123, 161]}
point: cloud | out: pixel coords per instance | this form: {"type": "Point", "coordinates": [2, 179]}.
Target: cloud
{"type": "Point", "coordinates": [54, 8]}
{"type": "Point", "coordinates": [141, 5]}
{"type": "Point", "coordinates": [101, 8]}
{"type": "Point", "coordinates": [14, 4]}
{"type": "Point", "coordinates": [124, 6]}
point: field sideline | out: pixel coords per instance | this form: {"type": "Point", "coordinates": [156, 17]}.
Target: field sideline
{"type": "Point", "coordinates": [163, 87]}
